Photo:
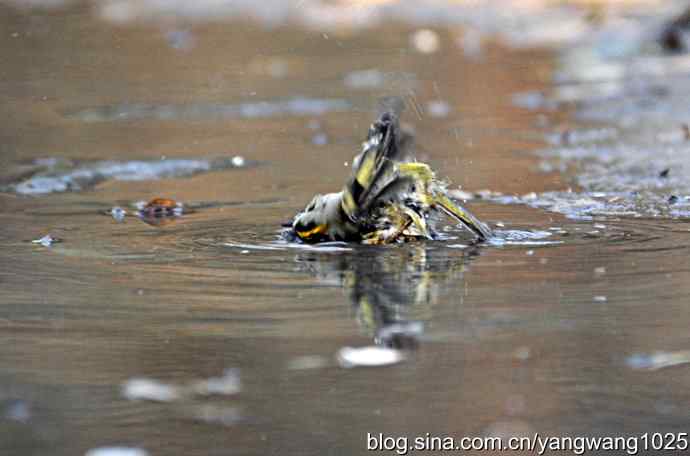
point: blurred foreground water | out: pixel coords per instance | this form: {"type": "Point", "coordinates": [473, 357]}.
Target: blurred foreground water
{"type": "Point", "coordinates": [208, 335]}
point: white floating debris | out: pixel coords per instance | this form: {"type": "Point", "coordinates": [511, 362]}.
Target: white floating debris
{"type": "Point", "coordinates": [600, 270]}
{"type": "Point", "coordinates": [226, 385]}
{"type": "Point", "coordinates": [369, 356]}
{"type": "Point", "coordinates": [426, 41]}
{"type": "Point", "coordinates": [529, 253]}
{"type": "Point", "coordinates": [600, 299]}
{"type": "Point", "coordinates": [238, 161]}
{"type": "Point", "coordinates": [45, 241]}
{"type": "Point", "coordinates": [118, 213]}
{"type": "Point", "coordinates": [307, 362]}
{"type": "Point", "coordinates": [146, 389]}
{"type": "Point", "coordinates": [117, 451]}
{"type": "Point", "coordinates": [438, 108]}
{"type": "Point", "coordinates": [658, 360]}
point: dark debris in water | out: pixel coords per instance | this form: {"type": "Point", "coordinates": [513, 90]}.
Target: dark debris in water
{"type": "Point", "coordinates": [61, 175]}
{"type": "Point", "coordinates": [159, 211]}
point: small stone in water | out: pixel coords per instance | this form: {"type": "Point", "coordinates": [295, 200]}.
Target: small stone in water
{"type": "Point", "coordinates": [672, 199]}
{"type": "Point", "coordinates": [368, 356]}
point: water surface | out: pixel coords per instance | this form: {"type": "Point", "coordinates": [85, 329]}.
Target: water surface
{"type": "Point", "coordinates": [548, 334]}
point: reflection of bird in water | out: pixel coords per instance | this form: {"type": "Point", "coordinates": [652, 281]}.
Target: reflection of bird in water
{"type": "Point", "coordinates": [390, 197]}
{"type": "Point", "coordinates": [392, 290]}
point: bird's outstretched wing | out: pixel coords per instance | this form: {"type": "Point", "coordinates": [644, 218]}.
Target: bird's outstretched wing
{"type": "Point", "coordinates": [374, 169]}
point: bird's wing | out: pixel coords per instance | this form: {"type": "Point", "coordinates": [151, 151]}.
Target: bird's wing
{"type": "Point", "coordinates": [375, 168]}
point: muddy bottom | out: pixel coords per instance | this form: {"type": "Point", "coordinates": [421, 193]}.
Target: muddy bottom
{"type": "Point", "coordinates": [207, 335]}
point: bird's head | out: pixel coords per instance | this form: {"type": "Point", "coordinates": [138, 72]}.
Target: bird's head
{"type": "Point", "coordinates": [313, 223]}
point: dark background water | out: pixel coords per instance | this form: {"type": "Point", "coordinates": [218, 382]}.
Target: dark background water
{"type": "Point", "coordinates": [517, 339]}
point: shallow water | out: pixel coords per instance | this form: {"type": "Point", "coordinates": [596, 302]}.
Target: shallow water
{"type": "Point", "coordinates": [558, 334]}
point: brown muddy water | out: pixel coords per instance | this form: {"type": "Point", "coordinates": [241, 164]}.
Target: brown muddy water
{"type": "Point", "coordinates": [583, 332]}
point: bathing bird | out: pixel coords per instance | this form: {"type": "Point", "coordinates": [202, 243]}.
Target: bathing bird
{"type": "Point", "coordinates": [390, 197]}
